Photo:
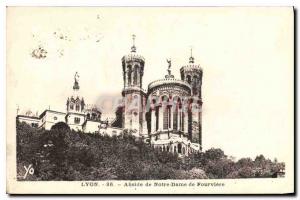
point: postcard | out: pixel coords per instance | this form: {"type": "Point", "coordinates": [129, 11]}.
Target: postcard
{"type": "Point", "coordinates": [150, 100]}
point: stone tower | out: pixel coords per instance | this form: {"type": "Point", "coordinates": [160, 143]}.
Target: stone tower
{"type": "Point", "coordinates": [133, 94]}
{"type": "Point", "coordinates": [192, 74]}
{"type": "Point", "coordinates": [75, 107]}
{"type": "Point", "coordinates": [75, 103]}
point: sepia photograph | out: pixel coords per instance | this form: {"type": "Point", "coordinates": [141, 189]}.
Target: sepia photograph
{"type": "Point", "coordinates": [150, 100]}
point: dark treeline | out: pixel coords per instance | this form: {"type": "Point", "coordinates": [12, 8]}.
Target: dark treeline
{"type": "Point", "coordinates": [61, 154]}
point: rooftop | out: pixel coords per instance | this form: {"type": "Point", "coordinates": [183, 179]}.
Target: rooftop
{"type": "Point", "coordinates": [167, 81]}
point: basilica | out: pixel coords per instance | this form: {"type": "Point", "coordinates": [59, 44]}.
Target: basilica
{"type": "Point", "coordinates": [166, 115]}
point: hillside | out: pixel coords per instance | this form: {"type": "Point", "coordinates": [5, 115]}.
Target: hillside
{"type": "Point", "coordinates": [61, 154]}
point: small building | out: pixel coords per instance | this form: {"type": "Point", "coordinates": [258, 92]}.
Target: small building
{"type": "Point", "coordinates": [78, 115]}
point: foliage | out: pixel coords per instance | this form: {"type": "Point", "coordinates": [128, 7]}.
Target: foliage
{"type": "Point", "coordinates": [63, 154]}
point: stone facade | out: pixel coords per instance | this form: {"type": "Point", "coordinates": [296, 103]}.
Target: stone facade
{"type": "Point", "coordinates": [168, 114]}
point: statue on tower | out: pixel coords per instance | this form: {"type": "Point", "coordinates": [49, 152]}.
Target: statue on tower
{"type": "Point", "coordinates": [169, 69]}
{"type": "Point", "coordinates": [76, 81]}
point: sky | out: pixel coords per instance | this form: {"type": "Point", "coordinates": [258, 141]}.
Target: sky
{"type": "Point", "coordinates": [246, 55]}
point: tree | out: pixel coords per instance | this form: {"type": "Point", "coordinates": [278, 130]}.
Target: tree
{"type": "Point", "coordinates": [244, 162]}
{"type": "Point", "coordinates": [63, 154]}
{"type": "Point", "coordinates": [60, 126]}
{"type": "Point", "coordinates": [219, 168]}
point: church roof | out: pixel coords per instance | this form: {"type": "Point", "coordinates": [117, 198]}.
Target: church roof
{"type": "Point", "coordinates": [167, 81]}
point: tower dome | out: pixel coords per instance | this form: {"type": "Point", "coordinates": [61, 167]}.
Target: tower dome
{"type": "Point", "coordinates": [133, 69]}
{"type": "Point", "coordinates": [169, 81]}
{"type": "Point", "coordinates": [192, 74]}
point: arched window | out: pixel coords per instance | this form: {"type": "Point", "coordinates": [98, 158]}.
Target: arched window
{"type": "Point", "coordinates": [165, 112]}
{"type": "Point", "coordinates": [188, 79]}
{"type": "Point", "coordinates": [175, 115]}
{"type": "Point", "coordinates": [157, 118]}
{"type": "Point", "coordinates": [168, 148]}
{"type": "Point", "coordinates": [153, 103]}
{"type": "Point", "coordinates": [136, 101]}
{"type": "Point", "coordinates": [176, 102]}
{"type": "Point", "coordinates": [182, 121]}
{"type": "Point", "coordinates": [77, 107]}
{"type": "Point", "coordinates": [169, 116]}
{"type": "Point", "coordinates": [129, 74]}
{"type": "Point", "coordinates": [195, 79]}
{"type": "Point", "coordinates": [165, 118]}
{"type": "Point", "coordinates": [71, 106]}
{"type": "Point", "coordinates": [135, 77]}
{"type": "Point", "coordinates": [195, 92]}
{"type": "Point", "coordinates": [179, 148]}
{"type": "Point", "coordinates": [165, 100]}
